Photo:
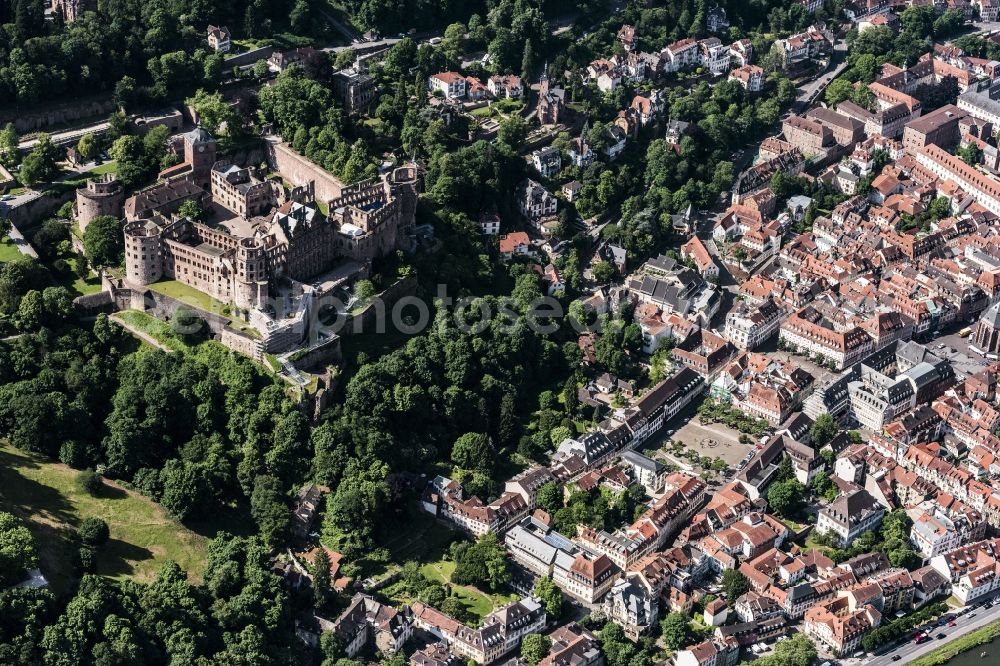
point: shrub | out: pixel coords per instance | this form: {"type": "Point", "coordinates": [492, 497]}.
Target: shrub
{"type": "Point", "coordinates": [86, 558]}
{"type": "Point", "coordinates": [74, 453]}
{"type": "Point", "coordinates": [93, 532]}
{"type": "Point", "coordinates": [89, 482]}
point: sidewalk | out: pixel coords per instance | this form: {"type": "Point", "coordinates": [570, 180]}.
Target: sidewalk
{"type": "Point", "coordinates": [22, 244]}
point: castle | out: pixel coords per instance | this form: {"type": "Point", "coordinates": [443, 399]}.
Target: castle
{"type": "Point", "coordinates": [277, 234]}
{"type": "Point", "coordinates": [103, 195]}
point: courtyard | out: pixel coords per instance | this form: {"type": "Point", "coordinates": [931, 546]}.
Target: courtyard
{"type": "Point", "coordinates": [715, 440]}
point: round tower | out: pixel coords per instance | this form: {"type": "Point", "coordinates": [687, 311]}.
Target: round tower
{"type": "Point", "coordinates": [143, 253]}
{"type": "Point", "coordinates": [251, 274]}
{"type": "Point", "coordinates": [103, 195]}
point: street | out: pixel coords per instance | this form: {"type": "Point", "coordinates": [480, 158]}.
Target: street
{"type": "Point", "coordinates": [909, 651]}
{"type": "Point", "coordinates": [66, 137]}
{"type": "Point", "coordinates": [31, 194]}
{"type": "Point", "coordinates": [810, 92]}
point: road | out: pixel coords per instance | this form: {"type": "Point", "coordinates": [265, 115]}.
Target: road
{"type": "Point", "coordinates": [810, 92]}
{"type": "Point", "coordinates": [910, 651]}
{"type": "Point", "coordinates": [32, 194]}
{"type": "Point", "coordinates": [68, 136]}
{"type": "Point", "coordinates": [22, 244]}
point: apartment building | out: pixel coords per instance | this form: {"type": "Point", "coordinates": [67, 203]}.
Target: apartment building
{"type": "Point", "coordinates": [499, 634]}
{"type": "Point", "coordinates": [809, 333]}
{"type": "Point", "coordinates": [750, 325]}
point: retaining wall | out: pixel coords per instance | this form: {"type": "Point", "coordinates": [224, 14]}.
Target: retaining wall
{"type": "Point", "coordinates": [299, 170]}
{"type": "Point", "coordinates": [248, 58]}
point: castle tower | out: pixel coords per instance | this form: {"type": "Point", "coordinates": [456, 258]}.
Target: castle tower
{"type": "Point", "coordinates": [404, 186]}
{"type": "Point", "coordinates": [143, 252]}
{"type": "Point", "coordinates": [251, 275]}
{"type": "Point", "coordinates": [199, 152]}
{"type": "Point", "coordinates": [103, 195]}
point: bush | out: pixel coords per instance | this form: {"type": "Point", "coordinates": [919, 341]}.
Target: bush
{"type": "Point", "coordinates": [147, 481]}
{"type": "Point", "coordinates": [93, 532]}
{"type": "Point", "coordinates": [89, 482]}
{"type": "Point", "coordinates": [86, 558]}
{"type": "Point", "coordinates": [74, 453]}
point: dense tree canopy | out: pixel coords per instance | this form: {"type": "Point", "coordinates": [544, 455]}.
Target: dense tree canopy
{"type": "Point", "coordinates": [17, 549]}
{"type": "Point", "coordinates": [139, 51]}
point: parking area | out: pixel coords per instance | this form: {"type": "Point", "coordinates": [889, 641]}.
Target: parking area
{"type": "Point", "coordinates": [954, 348]}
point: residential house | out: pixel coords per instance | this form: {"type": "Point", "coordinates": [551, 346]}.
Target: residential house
{"type": "Point", "coordinates": [505, 86]}
{"type": "Point", "coordinates": [367, 621]}
{"type": "Point", "coordinates": [499, 634]}
{"type": "Point", "coordinates": [695, 250]}
{"type": "Point", "coordinates": [451, 85]}
{"type": "Point", "coordinates": [516, 242]}
{"type": "Point", "coordinates": [490, 223]}
{"type": "Point", "coordinates": [751, 77]}
{"type": "Point", "coordinates": [573, 645]}
{"type": "Point", "coordinates": [973, 570]}
{"type": "Point", "coordinates": [580, 154]}
{"type": "Point", "coordinates": [851, 514]}
{"type": "Point", "coordinates": [535, 202]}
{"type": "Point", "coordinates": [837, 626]}
{"type": "Point", "coordinates": [616, 142]}
{"type": "Point", "coordinates": [218, 38]}
{"type": "Point", "coordinates": [547, 161]}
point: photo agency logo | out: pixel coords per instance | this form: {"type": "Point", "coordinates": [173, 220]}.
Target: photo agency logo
{"type": "Point", "coordinates": [319, 317]}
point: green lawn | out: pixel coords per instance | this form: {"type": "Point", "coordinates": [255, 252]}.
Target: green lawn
{"type": "Point", "coordinates": [202, 301]}
{"type": "Point", "coordinates": [476, 602]}
{"type": "Point", "coordinates": [8, 251]}
{"type": "Point", "coordinates": [426, 540]}
{"type": "Point", "coordinates": [64, 268]}
{"type": "Point", "coordinates": [793, 525]}
{"type": "Point", "coordinates": [191, 296]}
{"type": "Point", "coordinates": [143, 536]}
{"type": "Point", "coordinates": [155, 328]}
{"type": "Point", "coordinates": [107, 167]}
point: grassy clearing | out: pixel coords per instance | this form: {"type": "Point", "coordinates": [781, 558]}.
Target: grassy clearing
{"type": "Point", "coordinates": [154, 328]}
{"type": "Point", "coordinates": [8, 251]}
{"type": "Point", "coordinates": [476, 602]}
{"type": "Point", "coordinates": [107, 167]}
{"type": "Point", "coordinates": [143, 536]}
{"type": "Point", "coordinates": [427, 541]}
{"type": "Point", "coordinates": [202, 301]}
{"type": "Point", "coordinates": [64, 269]}
{"type": "Point", "coordinates": [190, 295]}
{"type": "Point", "coordinates": [946, 652]}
